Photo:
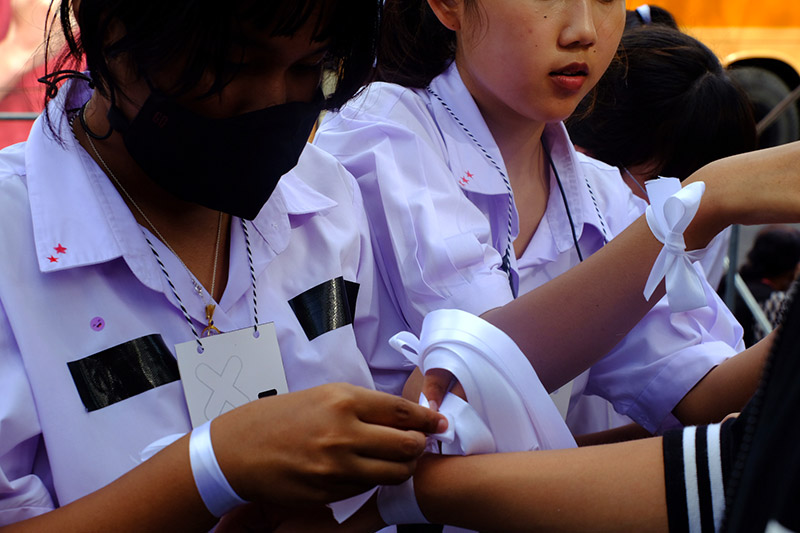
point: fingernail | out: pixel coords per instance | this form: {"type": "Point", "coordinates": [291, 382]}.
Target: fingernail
{"type": "Point", "coordinates": [441, 427]}
{"type": "Point", "coordinates": [433, 406]}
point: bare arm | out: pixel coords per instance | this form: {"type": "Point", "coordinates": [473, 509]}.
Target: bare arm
{"type": "Point", "coordinates": [569, 323]}
{"type": "Point", "coordinates": [617, 487]}
{"type": "Point", "coordinates": [315, 446]}
{"type": "Point", "coordinates": [726, 388]}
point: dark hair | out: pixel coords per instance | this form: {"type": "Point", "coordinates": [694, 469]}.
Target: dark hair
{"type": "Point", "coordinates": [415, 46]}
{"type": "Point", "coordinates": [665, 103]}
{"type": "Point", "coordinates": [775, 251]}
{"type": "Point", "coordinates": [658, 15]}
{"type": "Point", "coordinates": [196, 38]}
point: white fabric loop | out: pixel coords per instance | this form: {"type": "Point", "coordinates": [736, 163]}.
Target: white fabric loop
{"type": "Point", "coordinates": [466, 434]}
{"type": "Point", "coordinates": [502, 388]}
{"type": "Point", "coordinates": [672, 208]}
{"type": "Point", "coordinates": [214, 489]}
{"type": "Point", "coordinates": [509, 408]}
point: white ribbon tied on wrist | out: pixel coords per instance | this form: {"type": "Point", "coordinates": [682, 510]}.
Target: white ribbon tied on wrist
{"type": "Point", "coordinates": [508, 410]}
{"type": "Point", "coordinates": [672, 208]}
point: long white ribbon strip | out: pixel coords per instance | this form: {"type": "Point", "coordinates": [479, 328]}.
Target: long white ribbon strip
{"type": "Point", "coordinates": [501, 386]}
{"type": "Point", "coordinates": [670, 212]}
{"type": "Point", "coordinates": [509, 408]}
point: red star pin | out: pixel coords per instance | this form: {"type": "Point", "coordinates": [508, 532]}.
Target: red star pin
{"type": "Point", "coordinates": [53, 259]}
{"type": "Point", "coordinates": [60, 249]}
{"type": "Point", "coordinates": [469, 175]}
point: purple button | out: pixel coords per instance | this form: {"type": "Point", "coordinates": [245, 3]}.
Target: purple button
{"type": "Point", "coordinates": [97, 323]}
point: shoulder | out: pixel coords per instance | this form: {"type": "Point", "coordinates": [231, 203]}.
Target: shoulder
{"type": "Point", "coordinates": [323, 173]}
{"type": "Point", "coordinates": [597, 170]}
{"type": "Point", "coordinates": [619, 205]}
{"type": "Point", "coordinates": [386, 107]}
{"type": "Point", "coordinates": [13, 189]}
{"type": "Point", "coordinates": [381, 99]}
{"type": "Point", "coordinates": [12, 161]}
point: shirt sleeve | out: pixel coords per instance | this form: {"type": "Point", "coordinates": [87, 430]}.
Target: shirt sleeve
{"type": "Point", "coordinates": [433, 245]}
{"type": "Point", "coordinates": [22, 493]}
{"type": "Point", "coordinates": [377, 317]}
{"type": "Point", "coordinates": [663, 357]}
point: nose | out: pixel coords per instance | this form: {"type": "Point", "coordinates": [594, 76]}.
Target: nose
{"type": "Point", "coordinates": [579, 28]}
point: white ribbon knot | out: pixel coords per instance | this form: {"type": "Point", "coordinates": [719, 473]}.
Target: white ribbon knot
{"type": "Point", "coordinates": [508, 410]}
{"type": "Point", "coordinates": [672, 208]}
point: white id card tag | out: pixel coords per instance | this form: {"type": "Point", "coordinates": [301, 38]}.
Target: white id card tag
{"type": "Point", "coordinates": [234, 368]}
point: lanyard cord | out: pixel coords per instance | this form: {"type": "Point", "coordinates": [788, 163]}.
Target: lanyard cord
{"type": "Point", "coordinates": [506, 261]}
{"type": "Point", "coordinates": [200, 348]}
{"type": "Point", "coordinates": [566, 204]}
{"type": "Point", "coordinates": [195, 283]}
{"type": "Point", "coordinates": [506, 264]}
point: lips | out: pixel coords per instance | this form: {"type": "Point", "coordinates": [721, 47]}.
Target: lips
{"type": "Point", "coordinates": [571, 77]}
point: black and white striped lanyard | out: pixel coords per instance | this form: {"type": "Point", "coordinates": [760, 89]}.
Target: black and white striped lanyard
{"type": "Point", "coordinates": [200, 348]}
{"type": "Point", "coordinates": [506, 260]}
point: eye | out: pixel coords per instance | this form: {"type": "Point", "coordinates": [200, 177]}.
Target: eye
{"type": "Point", "coordinates": [310, 64]}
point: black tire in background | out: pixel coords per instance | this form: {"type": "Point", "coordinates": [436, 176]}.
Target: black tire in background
{"type": "Point", "coordinates": [766, 90]}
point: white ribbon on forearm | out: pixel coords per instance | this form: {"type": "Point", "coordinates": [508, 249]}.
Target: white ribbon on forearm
{"type": "Point", "coordinates": [672, 208]}
{"type": "Point", "coordinates": [508, 405]}
{"type": "Point", "coordinates": [508, 410]}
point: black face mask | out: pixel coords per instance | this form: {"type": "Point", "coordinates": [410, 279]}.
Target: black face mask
{"type": "Point", "coordinates": [230, 164]}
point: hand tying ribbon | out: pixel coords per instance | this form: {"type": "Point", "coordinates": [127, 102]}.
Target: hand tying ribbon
{"type": "Point", "coordinates": [501, 386]}
{"type": "Point", "coordinates": [670, 212]}
{"type": "Point", "coordinates": [508, 410]}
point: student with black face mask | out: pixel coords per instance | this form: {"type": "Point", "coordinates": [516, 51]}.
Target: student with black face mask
{"type": "Point", "coordinates": [166, 204]}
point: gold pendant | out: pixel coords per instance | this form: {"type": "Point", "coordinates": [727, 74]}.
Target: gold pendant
{"type": "Point", "coordinates": [211, 329]}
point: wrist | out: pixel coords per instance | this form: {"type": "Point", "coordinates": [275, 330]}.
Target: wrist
{"type": "Point", "coordinates": [212, 485]}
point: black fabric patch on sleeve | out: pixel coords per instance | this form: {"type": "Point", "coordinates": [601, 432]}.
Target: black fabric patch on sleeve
{"type": "Point", "coordinates": [327, 306]}
{"type": "Point", "coordinates": [123, 371]}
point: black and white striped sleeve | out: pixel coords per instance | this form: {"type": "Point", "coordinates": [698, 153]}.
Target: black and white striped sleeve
{"type": "Point", "coordinates": [696, 462]}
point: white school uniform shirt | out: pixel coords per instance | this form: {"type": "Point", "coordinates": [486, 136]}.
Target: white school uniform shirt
{"type": "Point", "coordinates": [73, 253]}
{"type": "Point", "coordinates": [428, 166]}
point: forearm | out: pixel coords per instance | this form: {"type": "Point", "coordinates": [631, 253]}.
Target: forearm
{"type": "Point", "coordinates": [559, 490]}
{"type": "Point", "coordinates": [726, 388]}
{"type": "Point", "coordinates": [159, 495]}
{"type": "Point", "coordinates": [570, 322]}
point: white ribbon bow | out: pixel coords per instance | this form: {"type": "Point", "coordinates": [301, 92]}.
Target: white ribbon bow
{"type": "Point", "coordinates": [670, 212]}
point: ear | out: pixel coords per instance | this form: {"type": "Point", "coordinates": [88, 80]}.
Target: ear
{"type": "Point", "coordinates": [449, 12]}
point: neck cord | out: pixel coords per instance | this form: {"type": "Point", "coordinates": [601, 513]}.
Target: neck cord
{"type": "Point", "coordinates": [634, 180]}
{"type": "Point", "coordinates": [506, 265]}
{"type": "Point", "coordinates": [564, 198]}
{"type": "Point", "coordinates": [211, 329]}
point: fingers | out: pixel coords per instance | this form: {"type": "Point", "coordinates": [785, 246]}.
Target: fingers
{"type": "Point", "coordinates": [730, 417]}
{"type": "Point", "coordinates": [389, 444]}
{"type": "Point", "coordinates": [435, 385]}
{"type": "Point", "coordinates": [395, 412]}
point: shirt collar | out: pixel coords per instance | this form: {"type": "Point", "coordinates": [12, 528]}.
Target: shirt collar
{"type": "Point", "coordinates": [471, 148]}
{"type": "Point", "coordinates": [79, 217]}
{"type": "Point", "coordinates": [293, 197]}
{"type": "Point", "coordinates": [576, 189]}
